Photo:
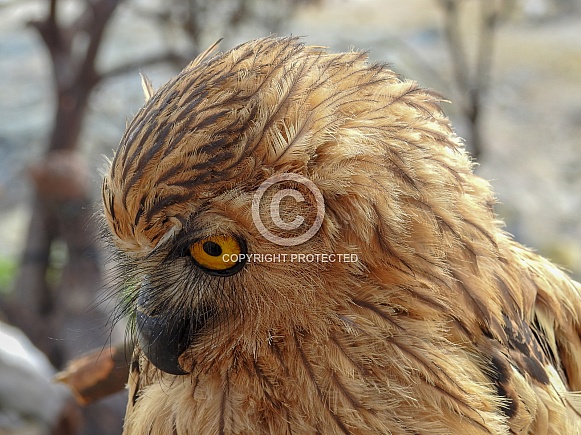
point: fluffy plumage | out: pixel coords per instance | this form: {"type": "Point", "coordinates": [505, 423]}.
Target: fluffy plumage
{"type": "Point", "coordinates": [443, 324]}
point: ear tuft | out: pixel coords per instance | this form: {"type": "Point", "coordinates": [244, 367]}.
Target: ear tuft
{"type": "Point", "coordinates": [147, 86]}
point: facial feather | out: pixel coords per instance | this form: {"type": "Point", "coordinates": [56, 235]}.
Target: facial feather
{"type": "Point", "coordinates": [443, 324]}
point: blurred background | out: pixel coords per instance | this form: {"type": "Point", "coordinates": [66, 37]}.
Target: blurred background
{"type": "Point", "coordinates": [69, 81]}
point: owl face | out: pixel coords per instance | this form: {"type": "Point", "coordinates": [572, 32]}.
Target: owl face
{"type": "Point", "coordinates": [259, 188]}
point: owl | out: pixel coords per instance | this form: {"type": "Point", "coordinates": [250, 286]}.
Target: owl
{"type": "Point", "coordinates": [303, 248]}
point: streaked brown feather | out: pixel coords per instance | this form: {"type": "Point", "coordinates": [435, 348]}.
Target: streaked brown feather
{"type": "Point", "coordinates": [445, 325]}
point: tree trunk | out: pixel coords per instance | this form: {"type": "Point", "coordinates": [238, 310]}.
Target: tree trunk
{"type": "Point", "coordinates": [59, 279]}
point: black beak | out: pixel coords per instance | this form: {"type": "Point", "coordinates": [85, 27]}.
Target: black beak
{"type": "Point", "coordinates": [162, 338]}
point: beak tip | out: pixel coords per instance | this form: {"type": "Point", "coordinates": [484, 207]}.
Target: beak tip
{"type": "Point", "coordinates": [162, 342]}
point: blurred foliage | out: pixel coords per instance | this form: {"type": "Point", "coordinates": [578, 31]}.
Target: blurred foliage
{"type": "Point", "coordinates": [8, 269]}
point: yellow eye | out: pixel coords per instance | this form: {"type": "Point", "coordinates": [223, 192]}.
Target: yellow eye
{"type": "Point", "coordinates": [219, 255]}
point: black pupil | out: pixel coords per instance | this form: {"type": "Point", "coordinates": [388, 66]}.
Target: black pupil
{"type": "Point", "coordinates": [212, 249]}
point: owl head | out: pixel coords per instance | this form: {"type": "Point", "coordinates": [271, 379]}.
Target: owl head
{"type": "Point", "coordinates": [264, 189]}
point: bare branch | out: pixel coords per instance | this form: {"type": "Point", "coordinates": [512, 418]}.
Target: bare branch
{"type": "Point", "coordinates": [97, 374]}
{"type": "Point", "coordinates": [454, 40]}
{"type": "Point", "coordinates": [50, 32]}
{"type": "Point", "coordinates": [489, 19]}
{"type": "Point", "coordinates": [52, 11]}
{"type": "Point", "coordinates": [172, 57]}
{"type": "Point", "coordinates": [473, 83]}
{"type": "Point", "coordinates": [102, 11]}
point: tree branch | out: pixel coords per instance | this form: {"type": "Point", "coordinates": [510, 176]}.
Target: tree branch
{"type": "Point", "coordinates": [97, 374]}
{"type": "Point", "coordinates": [102, 11]}
{"type": "Point", "coordinates": [155, 59]}
{"type": "Point", "coordinates": [452, 31]}
{"type": "Point", "coordinates": [490, 15]}
{"type": "Point", "coordinates": [473, 83]}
